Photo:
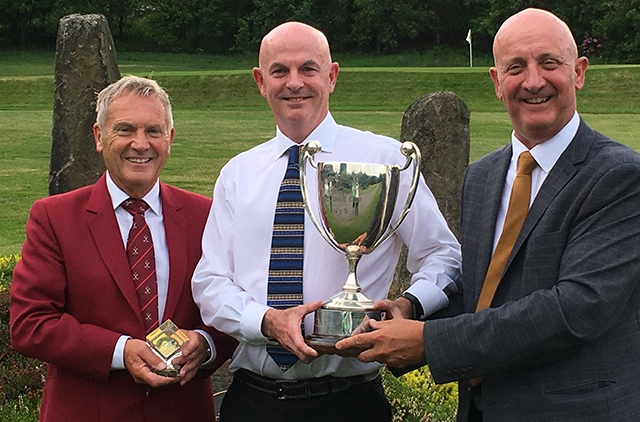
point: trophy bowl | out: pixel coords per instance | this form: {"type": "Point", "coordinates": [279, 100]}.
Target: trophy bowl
{"type": "Point", "coordinates": [356, 202]}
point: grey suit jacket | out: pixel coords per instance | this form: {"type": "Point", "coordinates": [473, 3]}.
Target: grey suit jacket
{"type": "Point", "coordinates": [561, 341]}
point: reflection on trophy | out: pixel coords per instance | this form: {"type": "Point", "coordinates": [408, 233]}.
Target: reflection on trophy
{"type": "Point", "coordinates": [166, 341]}
{"type": "Point", "coordinates": [355, 204]}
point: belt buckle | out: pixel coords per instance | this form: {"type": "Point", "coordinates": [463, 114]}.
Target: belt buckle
{"type": "Point", "coordinates": [280, 383]}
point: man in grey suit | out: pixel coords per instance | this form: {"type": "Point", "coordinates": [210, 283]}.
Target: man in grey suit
{"type": "Point", "coordinates": [560, 338]}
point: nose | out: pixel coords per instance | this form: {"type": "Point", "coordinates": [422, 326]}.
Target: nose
{"type": "Point", "coordinates": [533, 79]}
{"type": "Point", "coordinates": [140, 141]}
{"type": "Point", "coordinates": [295, 81]}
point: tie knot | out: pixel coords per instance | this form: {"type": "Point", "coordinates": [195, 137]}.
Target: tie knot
{"type": "Point", "coordinates": [294, 154]}
{"type": "Point", "coordinates": [526, 163]}
{"type": "Point", "coordinates": [135, 206]}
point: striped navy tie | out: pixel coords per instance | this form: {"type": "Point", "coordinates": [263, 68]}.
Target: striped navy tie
{"type": "Point", "coordinates": [284, 289]}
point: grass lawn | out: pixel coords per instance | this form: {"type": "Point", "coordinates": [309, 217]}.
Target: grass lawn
{"type": "Point", "coordinates": [218, 113]}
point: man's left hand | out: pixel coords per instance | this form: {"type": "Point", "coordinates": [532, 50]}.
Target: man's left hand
{"type": "Point", "coordinates": [397, 342]}
{"type": "Point", "coordinates": [194, 353]}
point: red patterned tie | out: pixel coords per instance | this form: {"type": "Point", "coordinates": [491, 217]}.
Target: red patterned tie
{"type": "Point", "coordinates": [142, 262]}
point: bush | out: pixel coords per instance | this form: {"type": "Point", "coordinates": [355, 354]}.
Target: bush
{"type": "Point", "coordinates": [414, 397]}
{"type": "Point", "coordinates": [21, 378]}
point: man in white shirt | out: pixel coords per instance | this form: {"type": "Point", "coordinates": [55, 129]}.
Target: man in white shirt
{"type": "Point", "coordinates": [296, 76]}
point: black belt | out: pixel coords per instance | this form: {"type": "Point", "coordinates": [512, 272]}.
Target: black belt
{"type": "Point", "coordinates": [301, 389]}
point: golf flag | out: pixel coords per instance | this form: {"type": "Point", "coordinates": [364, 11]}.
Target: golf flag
{"type": "Point", "coordinates": [470, 49]}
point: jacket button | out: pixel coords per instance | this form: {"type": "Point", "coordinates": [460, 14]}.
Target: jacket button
{"type": "Point", "coordinates": [149, 393]}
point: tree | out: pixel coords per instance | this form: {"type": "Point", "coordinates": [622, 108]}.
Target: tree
{"type": "Point", "coordinates": [619, 31]}
{"type": "Point", "coordinates": [25, 20]}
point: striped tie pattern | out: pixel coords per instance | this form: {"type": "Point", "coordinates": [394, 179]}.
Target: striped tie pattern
{"type": "Point", "coordinates": [284, 289]}
{"type": "Point", "coordinates": [142, 262]}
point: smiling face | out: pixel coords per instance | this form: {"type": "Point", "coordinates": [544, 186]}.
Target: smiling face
{"type": "Point", "coordinates": [537, 73]}
{"type": "Point", "coordinates": [296, 76]}
{"type": "Point", "coordinates": [135, 142]}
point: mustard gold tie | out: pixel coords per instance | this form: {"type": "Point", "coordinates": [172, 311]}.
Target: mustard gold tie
{"type": "Point", "coordinates": [516, 213]}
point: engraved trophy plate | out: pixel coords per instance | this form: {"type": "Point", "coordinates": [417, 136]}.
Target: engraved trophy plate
{"type": "Point", "coordinates": [166, 341]}
{"type": "Point", "coordinates": [356, 202]}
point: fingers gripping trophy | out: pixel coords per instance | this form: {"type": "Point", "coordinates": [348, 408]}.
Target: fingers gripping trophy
{"type": "Point", "coordinates": [371, 189]}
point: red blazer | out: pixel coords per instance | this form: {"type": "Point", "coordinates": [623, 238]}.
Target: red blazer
{"type": "Point", "coordinates": [72, 298]}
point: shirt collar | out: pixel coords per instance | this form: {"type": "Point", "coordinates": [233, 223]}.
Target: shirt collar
{"type": "Point", "coordinates": [325, 133]}
{"type": "Point", "coordinates": [118, 195]}
{"type": "Point", "coordinates": [548, 152]}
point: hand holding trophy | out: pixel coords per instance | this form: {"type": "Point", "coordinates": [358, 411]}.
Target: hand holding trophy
{"type": "Point", "coordinates": [167, 341]}
{"type": "Point", "coordinates": [355, 204]}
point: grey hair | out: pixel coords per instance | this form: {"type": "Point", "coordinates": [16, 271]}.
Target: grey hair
{"type": "Point", "coordinates": [131, 85]}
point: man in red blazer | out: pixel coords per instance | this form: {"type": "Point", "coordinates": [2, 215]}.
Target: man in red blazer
{"type": "Point", "coordinates": [73, 297]}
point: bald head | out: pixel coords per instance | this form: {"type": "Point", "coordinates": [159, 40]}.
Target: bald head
{"type": "Point", "coordinates": [296, 76]}
{"type": "Point", "coordinates": [531, 22]}
{"type": "Point", "coordinates": [537, 73]}
{"type": "Point", "coordinates": [294, 33]}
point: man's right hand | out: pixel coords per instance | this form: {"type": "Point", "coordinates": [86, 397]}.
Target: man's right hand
{"type": "Point", "coordinates": [140, 361]}
{"type": "Point", "coordinates": [284, 327]}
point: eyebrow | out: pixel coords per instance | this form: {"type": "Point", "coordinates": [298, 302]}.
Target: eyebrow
{"type": "Point", "coordinates": [311, 62]}
{"type": "Point", "coordinates": [278, 65]}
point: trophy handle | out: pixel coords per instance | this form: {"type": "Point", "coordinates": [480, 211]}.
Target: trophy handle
{"type": "Point", "coordinates": [307, 154]}
{"type": "Point", "coordinates": [412, 152]}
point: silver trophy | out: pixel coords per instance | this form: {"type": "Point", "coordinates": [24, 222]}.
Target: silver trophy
{"type": "Point", "coordinates": [355, 204]}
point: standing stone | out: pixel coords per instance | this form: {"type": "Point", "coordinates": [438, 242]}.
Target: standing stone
{"type": "Point", "coordinates": [85, 64]}
{"type": "Point", "coordinates": [439, 124]}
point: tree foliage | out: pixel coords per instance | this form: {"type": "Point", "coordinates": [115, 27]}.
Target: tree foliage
{"type": "Point", "coordinates": [606, 30]}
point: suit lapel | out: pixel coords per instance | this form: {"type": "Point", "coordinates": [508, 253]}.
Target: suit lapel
{"type": "Point", "coordinates": [561, 173]}
{"type": "Point", "coordinates": [106, 235]}
{"type": "Point", "coordinates": [176, 230]}
{"type": "Point", "coordinates": [492, 198]}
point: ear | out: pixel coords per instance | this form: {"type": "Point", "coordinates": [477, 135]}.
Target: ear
{"type": "Point", "coordinates": [493, 72]}
{"type": "Point", "coordinates": [581, 69]}
{"type": "Point", "coordinates": [259, 78]}
{"type": "Point", "coordinates": [171, 135]}
{"type": "Point", "coordinates": [97, 136]}
{"type": "Point", "coordinates": [333, 76]}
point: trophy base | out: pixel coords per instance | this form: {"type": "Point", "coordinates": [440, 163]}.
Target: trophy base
{"type": "Point", "coordinates": [327, 346]}
{"type": "Point", "coordinates": [333, 324]}
{"type": "Point", "coordinates": [340, 323]}
{"type": "Point", "coordinates": [168, 372]}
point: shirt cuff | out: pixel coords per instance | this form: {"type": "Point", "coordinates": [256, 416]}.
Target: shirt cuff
{"type": "Point", "coordinates": [117, 361]}
{"type": "Point", "coordinates": [251, 323]}
{"type": "Point", "coordinates": [211, 349]}
{"type": "Point", "coordinates": [431, 297]}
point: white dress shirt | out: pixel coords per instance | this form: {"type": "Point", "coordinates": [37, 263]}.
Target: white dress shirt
{"type": "Point", "coordinates": [546, 155]}
{"type": "Point", "coordinates": [230, 281]}
{"type": "Point", "coordinates": [155, 221]}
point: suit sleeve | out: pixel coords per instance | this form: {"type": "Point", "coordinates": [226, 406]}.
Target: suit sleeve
{"type": "Point", "coordinates": [591, 265]}
{"type": "Point", "coordinates": [40, 327]}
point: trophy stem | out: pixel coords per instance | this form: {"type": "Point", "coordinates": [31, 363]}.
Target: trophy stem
{"type": "Point", "coordinates": [350, 298]}
{"type": "Point", "coordinates": [353, 257]}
